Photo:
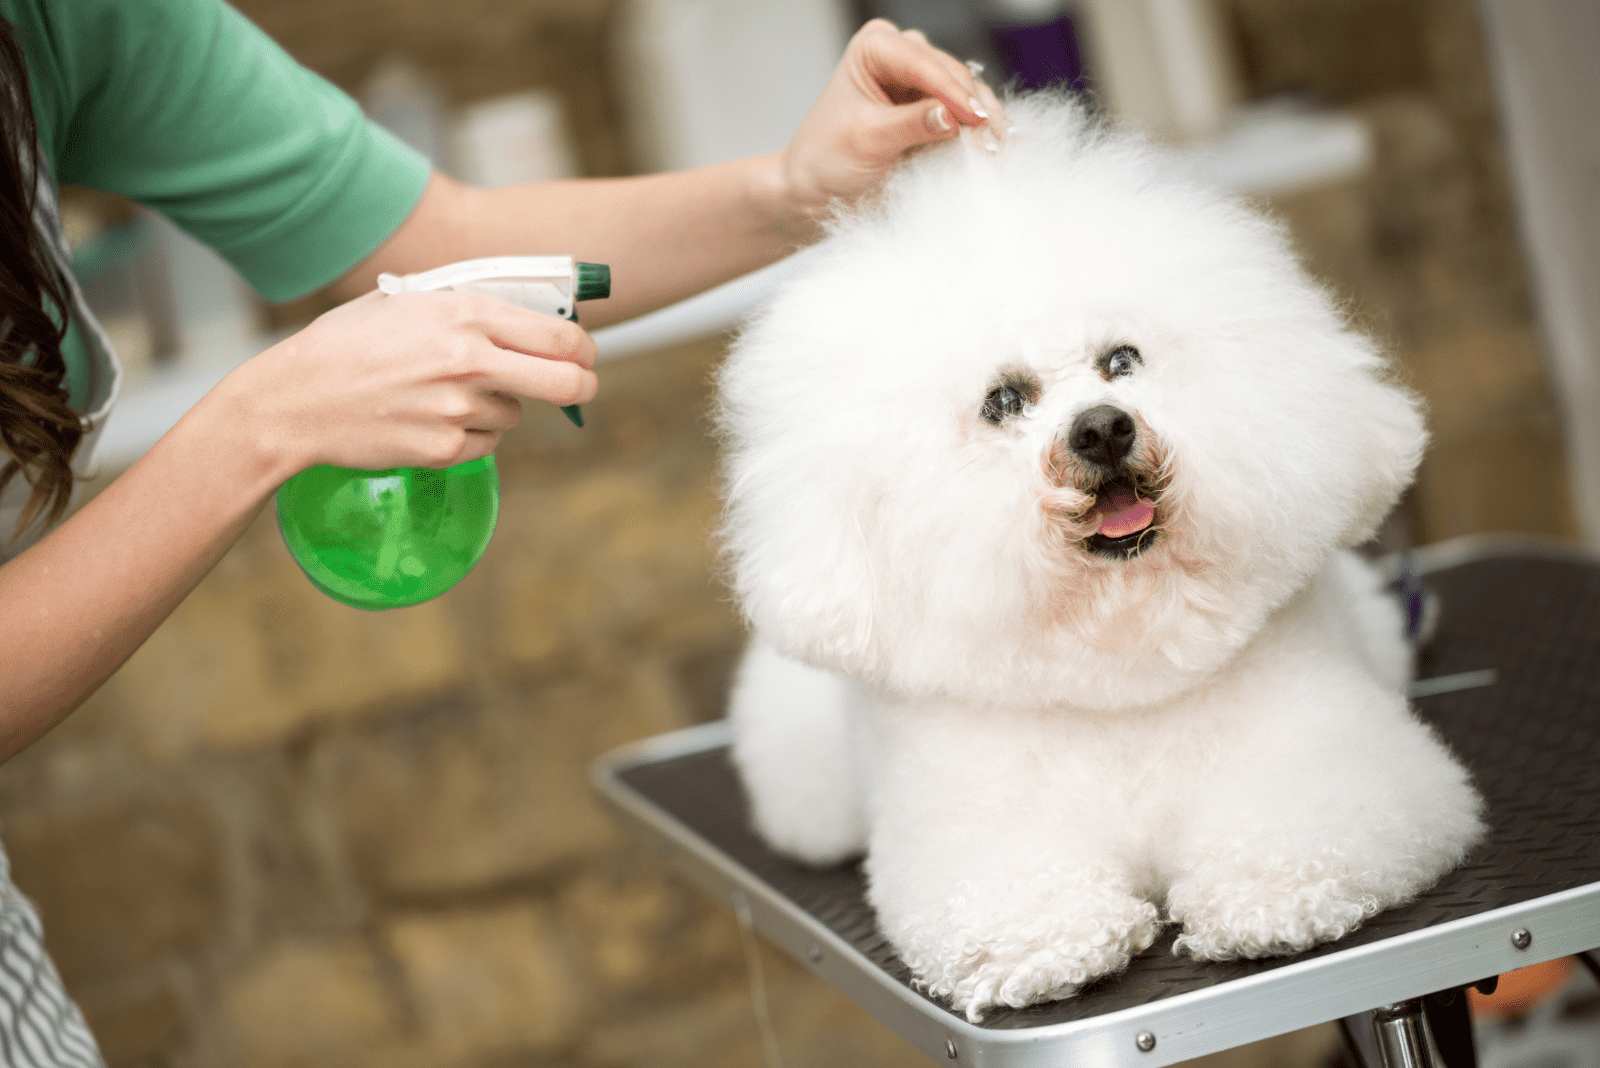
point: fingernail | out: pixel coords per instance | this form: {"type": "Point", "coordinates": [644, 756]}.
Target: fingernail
{"type": "Point", "coordinates": [936, 120]}
{"type": "Point", "coordinates": [977, 108]}
{"type": "Point", "coordinates": [975, 67]}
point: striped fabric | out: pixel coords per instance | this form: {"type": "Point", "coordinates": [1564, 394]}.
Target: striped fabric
{"type": "Point", "coordinates": [40, 1027]}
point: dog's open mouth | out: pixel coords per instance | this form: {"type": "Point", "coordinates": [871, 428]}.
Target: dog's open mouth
{"type": "Point", "coordinates": [1127, 521]}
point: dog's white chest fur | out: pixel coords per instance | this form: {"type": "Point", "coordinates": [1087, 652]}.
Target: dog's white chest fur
{"type": "Point", "coordinates": [1052, 617]}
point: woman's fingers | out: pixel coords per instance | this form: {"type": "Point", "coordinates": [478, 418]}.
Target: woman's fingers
{"type": "Point", "coordinates": [553, 379]}
{"type": "Point", "coordinates": [991, 103]}
{"type": "Point", "coordinates": [472, 406]}
{"type": "Point", "coordinates": [981, 99]}
{"type": "Point", "coordinates": [501, 413]}
{"type": "Point", "coordinates": [522, 353]}
{"type": "Point", "coordinates": [477, 445]}
{"type": "Point", "coordinates": [902, 68]}
{"type": "Point", "coordinates": [891, 92]}
{"type": "Point", "coordinates": [903, 65]}
{"type": "Point", "coordinates": [414, 379]}
{"type": "Point", "coordinates": [907, 126]}
{"type": "Point", "coordinates": [536, 355]}
{"type": "Point", "coordinates": [531, 332]}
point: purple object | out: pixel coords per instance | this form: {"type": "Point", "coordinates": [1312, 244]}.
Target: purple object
{"type": "Point", "coordinates": [1042, 53]}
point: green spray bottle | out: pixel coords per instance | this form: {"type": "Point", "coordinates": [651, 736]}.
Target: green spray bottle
{"type": "Point", "coordinates": [388, 539]}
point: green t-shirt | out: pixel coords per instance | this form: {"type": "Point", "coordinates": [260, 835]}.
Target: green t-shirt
{"type": "Point", "coordinates": [187, 107]}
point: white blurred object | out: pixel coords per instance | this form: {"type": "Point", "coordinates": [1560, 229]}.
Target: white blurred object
{"type": "Point", "coordinates": [217, 327]}
{"type": "Point", "coordinates": [406, 102]}
{"type": "Point", "coordinates": [1278, 147]}
{"type": "Point", "coordinates": [162, 396]}
{"type": "Point", "coordinates": [1165, 65]}
{"type": "Point", "coordinates": [1563, 1031]}
{"type": "Point", "coordinates": [215, 310]}
{"type": "Point", "coordinates": [705, 81]}
{"type": "Point", "coordinates": [1027, 12]}
{"type": "Point", "coordinates": [512, 139]}
{"type": "Point", "coordinates": [131, 338]}
{"type": "Point", "coordinates": [702, 315]}
{"type": "Point", "coordinates": [1547, 83]}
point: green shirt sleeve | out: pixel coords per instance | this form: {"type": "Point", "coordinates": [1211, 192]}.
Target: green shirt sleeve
{"type": "Point", "coordinates": [187, 107]}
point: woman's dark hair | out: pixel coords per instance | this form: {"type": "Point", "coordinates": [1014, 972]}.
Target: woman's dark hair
{"type": "Point", "coordinates": [37, 429]}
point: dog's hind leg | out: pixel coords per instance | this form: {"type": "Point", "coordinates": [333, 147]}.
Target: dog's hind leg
{"type": "Point", "coordinates": [792, 745]}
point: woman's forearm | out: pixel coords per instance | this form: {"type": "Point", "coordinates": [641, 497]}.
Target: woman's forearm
{"type": "Point", "coordinates": [666, 236]}
{"type": "Point", "coordinates": [77, 604]}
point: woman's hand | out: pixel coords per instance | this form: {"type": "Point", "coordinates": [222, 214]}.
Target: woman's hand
{"type": "Point", "coordinates": [891, 92]}
{"type": "Point", "coordinates": [408, 380]}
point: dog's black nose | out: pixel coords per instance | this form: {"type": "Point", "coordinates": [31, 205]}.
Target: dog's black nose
{"type": "Point", "coordinates": [1102, 435]}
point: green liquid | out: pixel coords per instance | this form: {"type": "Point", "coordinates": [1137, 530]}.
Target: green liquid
{"type": "Point", "coordinates": [387, 539]}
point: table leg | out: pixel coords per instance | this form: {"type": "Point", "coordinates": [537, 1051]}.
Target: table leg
{"type": "Point", "coordinates": [1361, 1041]}
{"type": "Point", "coordinates": [1391, 1036]}
{"type": "Point", "coordinates": [1402, 1035]}
{"type": "Point", "coordinates": [1450, 1022]}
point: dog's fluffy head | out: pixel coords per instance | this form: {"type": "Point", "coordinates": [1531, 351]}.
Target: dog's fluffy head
{"type": "Point", "coordinates": [1054, 424]}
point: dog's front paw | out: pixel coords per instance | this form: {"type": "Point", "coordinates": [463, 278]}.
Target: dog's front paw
{"type": "Point", "coordinates": [980, 958]}
{"type": "Point", "coordinates": [1284, 906]}
{"type": "Point", "coordinates": [1026, 973]}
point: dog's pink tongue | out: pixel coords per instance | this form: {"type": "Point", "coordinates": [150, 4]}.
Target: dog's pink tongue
{"type": "Point", "coordinates": [1121, 513]}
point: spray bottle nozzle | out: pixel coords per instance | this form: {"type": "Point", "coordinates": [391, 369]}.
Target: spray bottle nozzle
{"type": "Point", "coordinates": [594, 281]}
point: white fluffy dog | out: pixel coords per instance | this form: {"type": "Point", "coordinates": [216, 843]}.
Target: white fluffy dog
{"type": "Point", "coordinates": [1039, 479]}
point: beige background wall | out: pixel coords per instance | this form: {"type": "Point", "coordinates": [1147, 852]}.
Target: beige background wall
{"type": "Point", "coordinates": [289, 833]}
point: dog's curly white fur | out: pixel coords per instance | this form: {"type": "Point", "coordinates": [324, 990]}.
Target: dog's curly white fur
{"type": "Point", "coordinates": [1047, 684]}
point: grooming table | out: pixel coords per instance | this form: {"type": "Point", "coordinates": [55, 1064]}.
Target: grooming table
{"type": "Point", "coordinates": [1528, 612]}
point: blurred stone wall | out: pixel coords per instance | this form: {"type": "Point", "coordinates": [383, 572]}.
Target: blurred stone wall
{"type": "Point", "coordinates": [1424, 249]}
{"type": "Point", "coordinates": [293, 834]}
{"type": "Point", "coordinates": [475, 49]}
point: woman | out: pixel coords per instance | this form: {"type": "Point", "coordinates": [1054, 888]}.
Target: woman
{"type": "Point", "coordinates": [184, 105]}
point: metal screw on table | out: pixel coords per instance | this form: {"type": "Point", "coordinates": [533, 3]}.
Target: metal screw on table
{"type": "Point", "coordinates": [950, 1048]}
{"type": "Point", "coordinates": [1522, 938]}
{"type": "Point", "coordinates": [1145, 1040]}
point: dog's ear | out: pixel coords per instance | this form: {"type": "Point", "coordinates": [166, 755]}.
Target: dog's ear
{"type": "Point", "coordinates": [799, 565]}
{"type": "Point", "coordinates": [802, 422]}
{"type": "Point", "coordinates": [1391, 437]}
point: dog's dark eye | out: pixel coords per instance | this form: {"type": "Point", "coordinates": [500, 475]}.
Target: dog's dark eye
{"type": "Point", "coordinates": [1120, 361]}
{"type": "Point", "coordinates": [1002, 403]}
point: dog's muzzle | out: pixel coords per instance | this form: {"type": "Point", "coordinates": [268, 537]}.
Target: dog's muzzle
{"type": "Point", "coordinates": [1103, 438]}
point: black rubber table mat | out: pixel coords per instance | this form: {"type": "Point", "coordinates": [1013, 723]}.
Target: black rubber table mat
{"type": "Point", "coordinates": [1532, 741]}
